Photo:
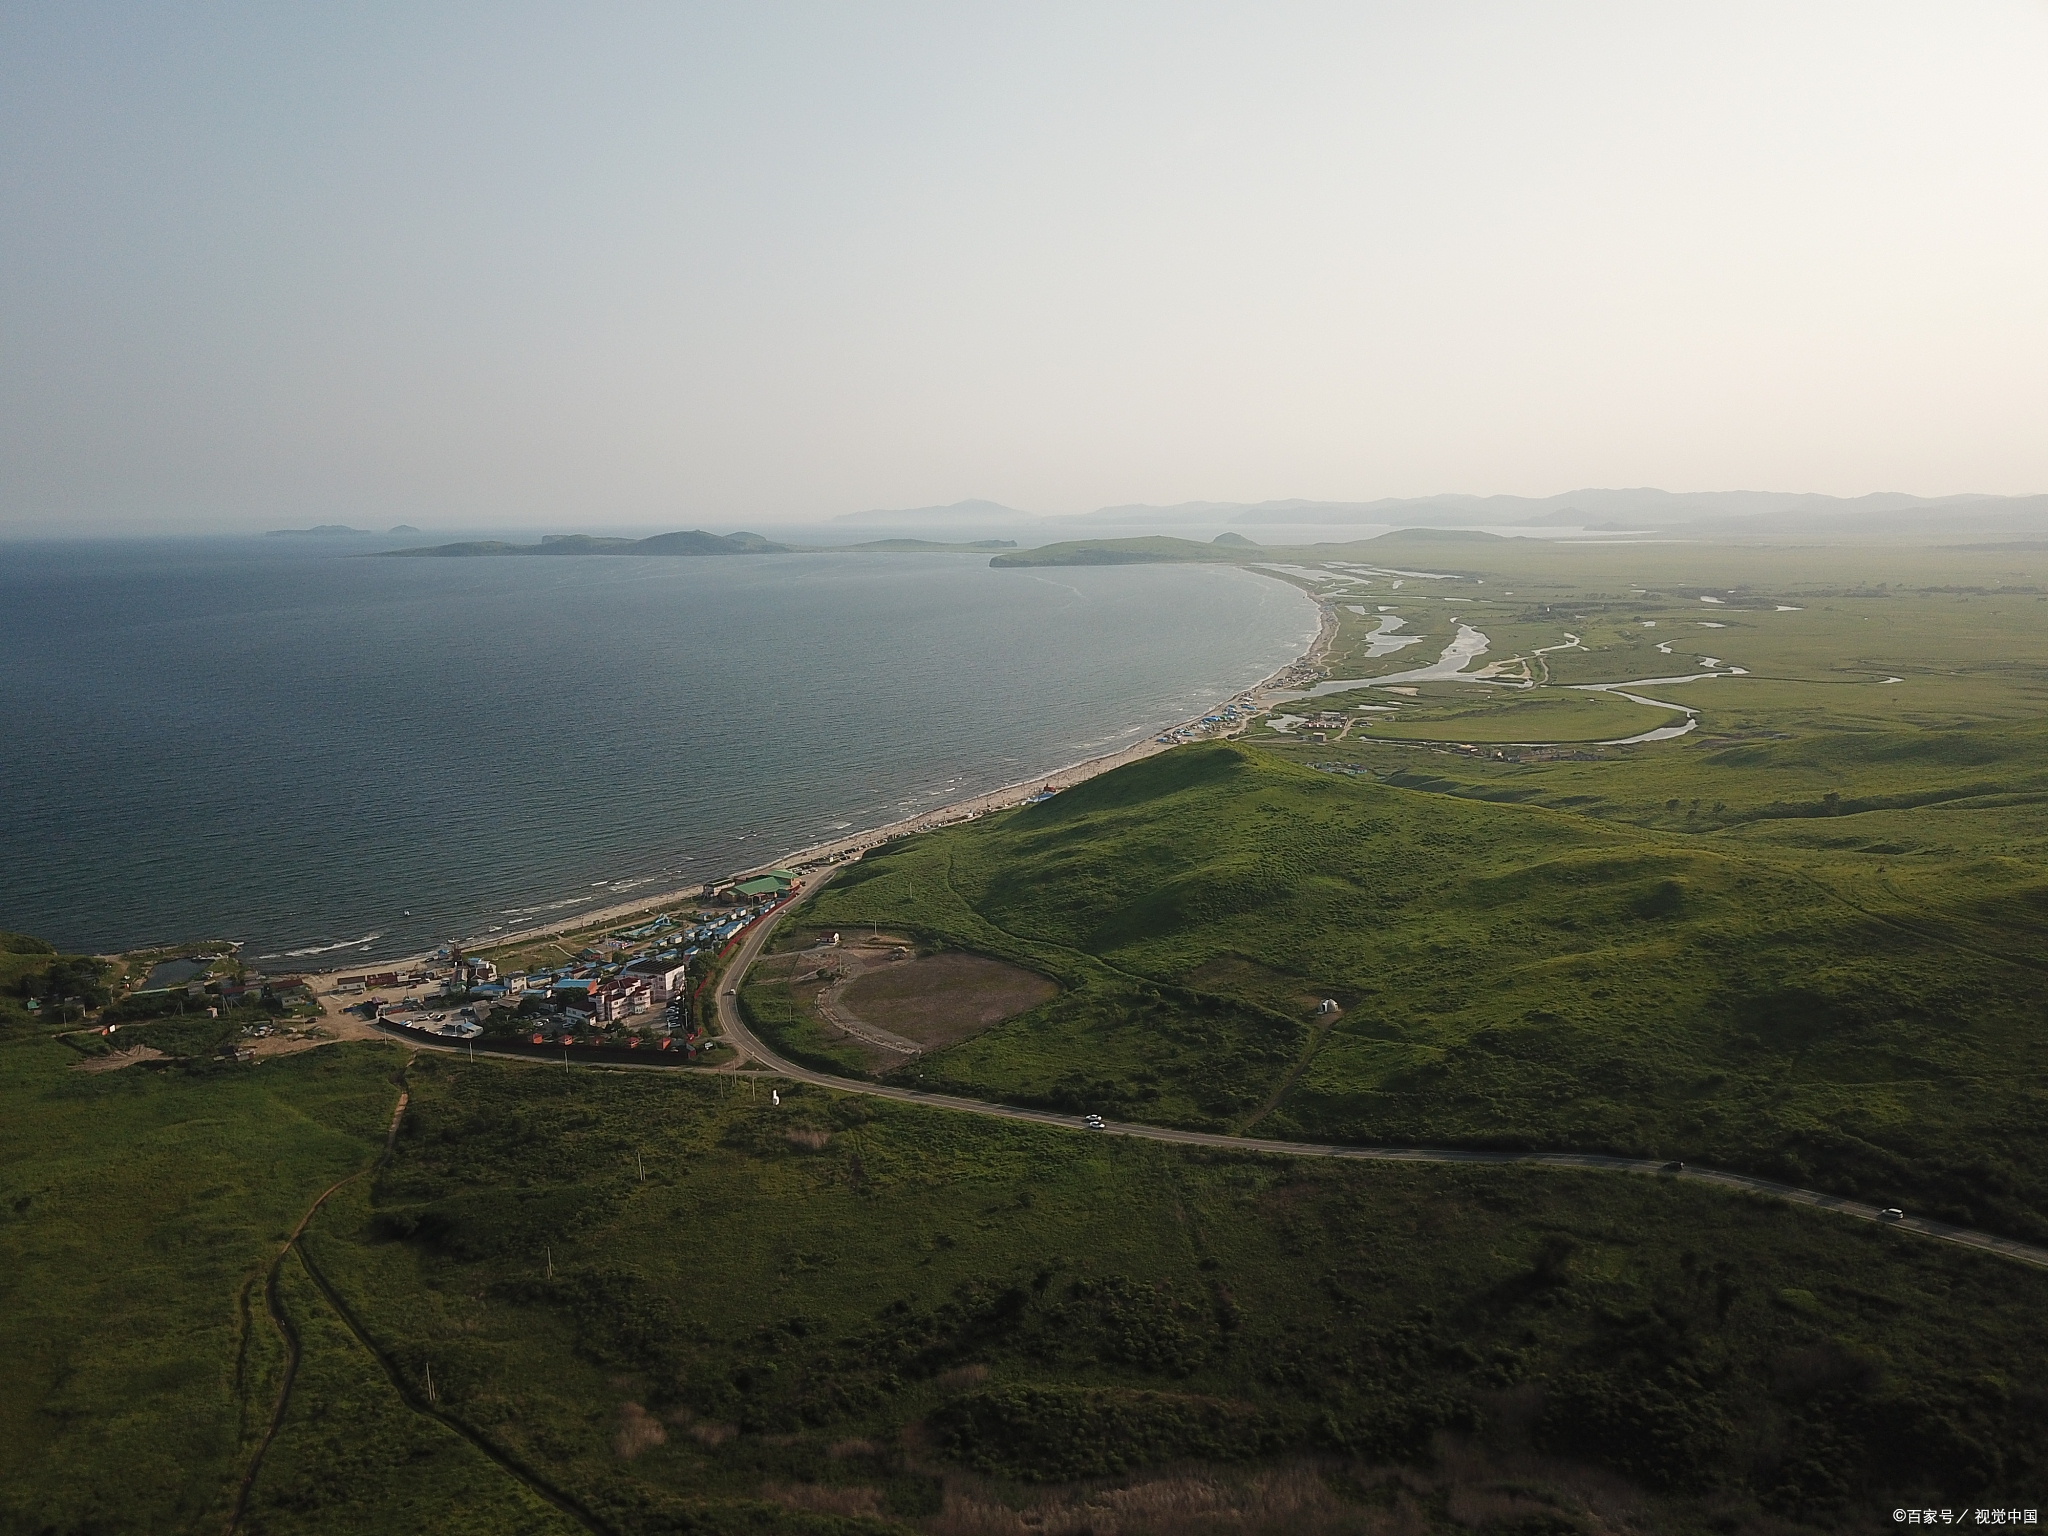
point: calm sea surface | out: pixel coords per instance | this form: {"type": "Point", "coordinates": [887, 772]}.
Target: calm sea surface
{"type": "Point", "coordinates": [271, 741]}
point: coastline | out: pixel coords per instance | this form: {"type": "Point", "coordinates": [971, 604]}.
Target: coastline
{"type": "Point", "coordinates": [1005, 797]}
{"type": "Point", "coordinates": [1255, 699]}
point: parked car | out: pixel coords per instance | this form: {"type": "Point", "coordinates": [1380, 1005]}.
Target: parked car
{"type": "Point", "coordinates": [1891, 1213]}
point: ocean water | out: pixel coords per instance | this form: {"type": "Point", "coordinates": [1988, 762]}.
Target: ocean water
{"type": "Point", "coordinates": [276, 742]}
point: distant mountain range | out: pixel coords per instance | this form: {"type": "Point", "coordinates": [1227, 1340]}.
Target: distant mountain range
{"type": "Point", "coordinates": [1717, 516]}
{"type": "Point", "coordinates": [1584, 508]}
{"type": "Point", "coordinates": [1691, 514]}
{"type": "Point", "coordinates": [960, 512]}
{"type": "Point", "coordinates": [330, 530]}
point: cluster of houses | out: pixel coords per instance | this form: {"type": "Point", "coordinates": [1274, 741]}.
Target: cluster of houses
{"type": "Point", "coordinates": [1228, 718]}
{"type": "Point", "coordinates": [245, 989]}
{"type": "Point", "coordinates": [635, 979]}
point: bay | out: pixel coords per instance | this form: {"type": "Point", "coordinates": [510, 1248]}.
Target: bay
{"type": "Point", "coordinates": [277, 742]}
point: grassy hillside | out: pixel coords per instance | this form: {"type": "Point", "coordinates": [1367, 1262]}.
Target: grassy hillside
{"type": "Point", "coordinates": [137, 1210]}
{"type": "Point", "coordinates": [671, 1306]}
{"type": "Point", "coordinates": [1508, 976]}
{"type": "Point", "coordinates": [697, 1311]}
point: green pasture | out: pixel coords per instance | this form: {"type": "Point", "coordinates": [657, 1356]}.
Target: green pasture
{"type": "Point", "coordinates": [1805, 940]}
{"type": "Point", "coordinates": [1508, 974]}
{"type": "Point", "coordinates": [1548, 715]}
{"type": "Point", "coordinates": [852, 1305]}
{"type": "Point", "coordinates": [667, 1303]}
{"type": "Point", "coordinates": [138, 1208]}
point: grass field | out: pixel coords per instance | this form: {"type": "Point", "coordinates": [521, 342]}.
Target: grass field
{"type": "Point", "coordinates": [1805, 940]}
{"type": "Point", "coordinates": [1555, 716]}
{"type": "Point", "coordinates": [137, 1210]}
{"type": "Point", "coordinates": [670, 1306]}
{"type": "Point", "coordinates": [687, 1305]}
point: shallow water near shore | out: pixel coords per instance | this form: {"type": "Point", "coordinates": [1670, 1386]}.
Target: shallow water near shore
{"type": "Point", "coordinates": [329, 757]}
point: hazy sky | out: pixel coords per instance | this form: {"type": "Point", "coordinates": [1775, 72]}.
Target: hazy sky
{"type": "Point", "coordinates": [668, 264]}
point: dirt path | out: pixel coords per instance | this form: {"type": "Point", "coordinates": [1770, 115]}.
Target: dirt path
{"type": "Point", "coordinates": [282, 1322]}
{"type": "Point", "coordinates": [510, 1465]}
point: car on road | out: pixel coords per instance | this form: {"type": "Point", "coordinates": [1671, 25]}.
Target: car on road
{"type": "Point", "coordinates": [1673, 1168]}
{"type": "Point", "coordinates": [1891, 1213]}
{"type": "Point", "coordinates": [1094, 1122]}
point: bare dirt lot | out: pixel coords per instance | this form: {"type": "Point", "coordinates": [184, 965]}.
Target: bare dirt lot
{"type": "Point", "coordinates": [114, 1061]}
{"type": "Point", "coordinates": [940, 1000]}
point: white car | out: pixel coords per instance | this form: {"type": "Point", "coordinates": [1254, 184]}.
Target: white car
{"type": "Point", "coordinates": [1094, 1123]}
{"type": "Point", "coordinates": [1891, 1213]}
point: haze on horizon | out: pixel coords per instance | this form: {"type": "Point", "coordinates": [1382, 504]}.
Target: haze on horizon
{"type": "Point", "coordinates": [524, 266]}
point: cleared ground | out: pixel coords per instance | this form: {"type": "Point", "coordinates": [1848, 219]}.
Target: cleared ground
{"type": "Point", "coordinates": [940, 1000]}
{"type": "Point", "coordinates": [873, 1004]}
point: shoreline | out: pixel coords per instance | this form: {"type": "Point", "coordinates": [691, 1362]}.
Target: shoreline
{"type": "Point", "coordinates": [1257, 698]}
{"type": "Point", "coordinates": [1004, 797]}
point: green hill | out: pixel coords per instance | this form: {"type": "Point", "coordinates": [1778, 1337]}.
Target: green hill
{"type": "Point", "coordinates": [1507, 975]}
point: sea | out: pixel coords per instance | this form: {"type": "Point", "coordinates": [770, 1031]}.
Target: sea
{"type": "Point", "coordinates": [330, 758]}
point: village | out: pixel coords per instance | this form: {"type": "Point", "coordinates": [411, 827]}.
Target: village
{"type": "Point", "coordinates": [628, 989]}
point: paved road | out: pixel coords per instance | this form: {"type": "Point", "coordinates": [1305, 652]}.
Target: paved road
{"type": "Point", "coordinates": [744, 1041]}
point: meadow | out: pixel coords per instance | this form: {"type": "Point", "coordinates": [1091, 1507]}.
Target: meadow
{"type": "Point", "coordinates": [1803, 940]}
{"type": "Point", "coordinates": [138, 1210]}
{"type": "Point", "coordinates": [632, 1302]}
{"type": "Point", "coordinates": [689, 1309]}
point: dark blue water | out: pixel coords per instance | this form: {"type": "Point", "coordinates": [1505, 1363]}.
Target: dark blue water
{"type": "Point", "coordinates": [280, 744]}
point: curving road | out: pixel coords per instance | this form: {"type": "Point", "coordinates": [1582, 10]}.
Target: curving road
{"type": "Point", "coordinates": [747, 1044]}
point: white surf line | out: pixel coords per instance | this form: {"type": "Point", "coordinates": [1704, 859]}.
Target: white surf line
{"type": "Point", "coordinates": [323, 949]}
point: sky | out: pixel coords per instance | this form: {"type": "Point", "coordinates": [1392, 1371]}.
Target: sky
{"type": "Point", "coordinates": [673, 265]}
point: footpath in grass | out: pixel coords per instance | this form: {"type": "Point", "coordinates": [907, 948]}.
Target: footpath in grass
{"type": "Point", "coordinates": [350, 1457]}
{"type": "Point", "coordinates": [138, 1211]}
{"type": "Point", "coordinates": [697, 1310]}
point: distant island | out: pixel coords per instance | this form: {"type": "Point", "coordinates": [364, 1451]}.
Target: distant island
{"type": "Point", "coordinates": [693, 542]}
{"type": "Point", "coordinates": [325, 530]}
{"type": "Point", "coordinates": [405, 528]}
{"type": "Point", "coordinates": [929, 546]}
{"type": "Point", "coordinates": [1159, 549]}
